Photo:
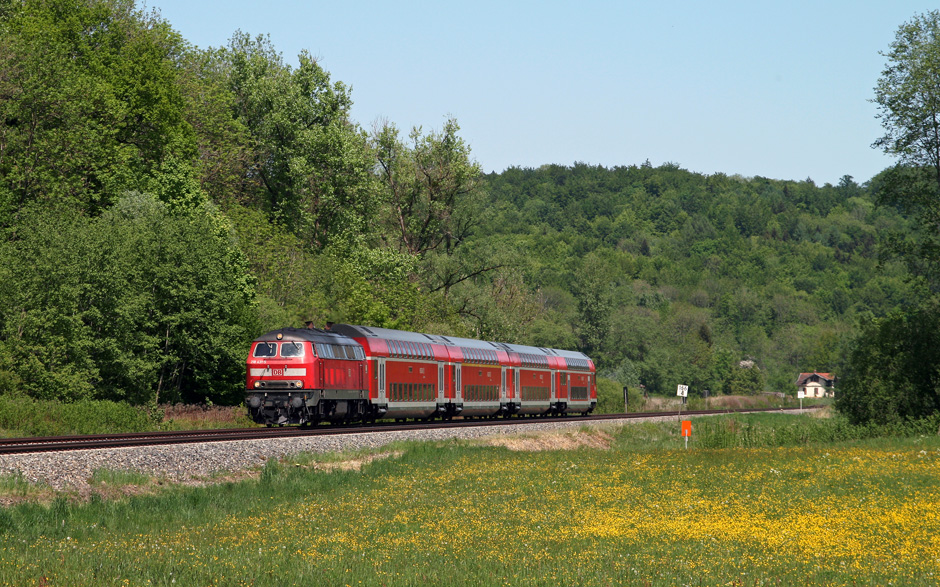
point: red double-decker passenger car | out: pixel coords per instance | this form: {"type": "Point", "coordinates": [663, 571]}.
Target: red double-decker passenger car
{"type": "Point", "coordinates": [349, 373]}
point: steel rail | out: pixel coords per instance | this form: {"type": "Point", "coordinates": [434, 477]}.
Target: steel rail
{"type": "Point", "coordinates": [138, 439]}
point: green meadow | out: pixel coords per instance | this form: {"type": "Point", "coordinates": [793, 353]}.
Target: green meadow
{"type": "Point", "coordinates": [780, 500]}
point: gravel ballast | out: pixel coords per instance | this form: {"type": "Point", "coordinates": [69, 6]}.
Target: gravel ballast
{"type": "Point", "coordinates": [72, 470]}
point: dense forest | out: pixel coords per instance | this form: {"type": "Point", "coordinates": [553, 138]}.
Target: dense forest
{"type": "Point", "coordinates": [161, 205]}
{"type": "Point", "coordinates": [724, 283]}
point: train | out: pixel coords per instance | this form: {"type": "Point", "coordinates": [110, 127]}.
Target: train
{"type": "Point", "coordinates": [343, 374]}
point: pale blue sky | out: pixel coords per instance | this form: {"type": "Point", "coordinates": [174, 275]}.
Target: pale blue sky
{"type": "Point", "coordinates": [776, 89]}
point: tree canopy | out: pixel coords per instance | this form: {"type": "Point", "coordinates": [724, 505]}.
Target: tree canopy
{"type": "Point", "coordinates": [141, 304]}
{"type": "Point", "coordinates": [891, 373]}
{"type": "Point", "coordinates": [89, 103]}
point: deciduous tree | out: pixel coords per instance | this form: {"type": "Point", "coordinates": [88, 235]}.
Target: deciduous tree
{"type": "Point", "coordinates": [892, 373]}
{"type": "Point", "coordinates": [432, 185]}
{"type": "Point", "coordinates": [144, 303]}
{"type": "Point", "coordinates": [89, 104]}
{"type": "Point", "coordinates": [311, 165]}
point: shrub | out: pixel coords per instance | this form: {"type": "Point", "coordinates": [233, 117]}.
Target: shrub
{"type": "Point", "coordinates": [610, 397]}
{"type": "Point", "coordinates": [24, 416]}
{"type": "Point", "coordinates": [769, 431]}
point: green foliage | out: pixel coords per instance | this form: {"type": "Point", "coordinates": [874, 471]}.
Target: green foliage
{"type": "Point", "coordinates": [225, 149]}
{"type": "Point", "coordinates": [116, 478]}
{"type": "Point", "coordinates": [892, 374]}
{"type": "Point", "coordinates": [593, 292]}
{"type": "Point", "coordinates": [777, 431]}
{"type": "Point", "coordinates": [346, 282]}
{"type": "Point", "coordinates": [746, 379]}
{"type": "Point", "coordinates": [271, 472]}
{"type": "Point", "coordinates": [14, 484]}
{"type": "Point", "coordinates": [91, 106]}
{"type": "Point", "coordinates": [682, 276]}
{"type": "Point", "coordinates": [907, 94]}
{"type": "Point", "coordinates": [432, 188]}
{"type": "Point", "coordinates": [610, 397]}
{"type": "Point", "coordinates": [367, 286]}
{"type": "Point", "coordinates": [310, 168]}
{"type": "Point", "coordinates": [25, 416]}
{"type": "Point", "coordinates": [433, 209]}
{"type": "Point", "coordinates": [140, 304]}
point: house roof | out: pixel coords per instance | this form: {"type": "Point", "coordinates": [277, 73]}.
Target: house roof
{"type": "Point", "coordinates": [829, 377]}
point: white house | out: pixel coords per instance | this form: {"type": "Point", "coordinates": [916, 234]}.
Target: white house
{"type": "Point", "coordinates": [816, 384]}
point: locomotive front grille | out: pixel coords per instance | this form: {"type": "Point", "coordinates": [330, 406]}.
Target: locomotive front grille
{"type": "Point", "coordinates": [279, 384]}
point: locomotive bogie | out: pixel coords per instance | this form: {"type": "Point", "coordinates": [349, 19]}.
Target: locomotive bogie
{"type": "Point", "coordinates": [310, 408]}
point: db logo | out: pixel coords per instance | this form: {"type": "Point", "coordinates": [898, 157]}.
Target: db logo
{"type": "Point", "coordinates": [278, 372]}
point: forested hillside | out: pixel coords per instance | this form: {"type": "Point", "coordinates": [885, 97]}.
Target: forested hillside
{"type": "Point", "coordinates": [162, 205]}
{"type": "Point", "coordinates": [670, 277]}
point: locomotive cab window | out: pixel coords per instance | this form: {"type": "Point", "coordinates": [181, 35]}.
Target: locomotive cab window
{"type": "Point", "coordinates": [292, 349]}
{"type": "Point", "coordinates": [266, 349]}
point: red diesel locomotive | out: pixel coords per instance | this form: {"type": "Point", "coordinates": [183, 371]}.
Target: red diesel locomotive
{"type": "Point", "coordinates": [358, 373]}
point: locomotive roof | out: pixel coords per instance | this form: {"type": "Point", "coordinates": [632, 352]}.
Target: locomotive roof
{"type": "Point", "coordinates": [389, 334]}
{"type": "Point", "coordinates": [309, 334]}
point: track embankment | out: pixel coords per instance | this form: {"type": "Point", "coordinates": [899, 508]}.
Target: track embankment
{"type": "Point", "coordinates": [68, 463]}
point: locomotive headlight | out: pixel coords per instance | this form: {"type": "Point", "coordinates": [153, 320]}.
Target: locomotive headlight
{"type": "Point", "coordinates": [257, 384]}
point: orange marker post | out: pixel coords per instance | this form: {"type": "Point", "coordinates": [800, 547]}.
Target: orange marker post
{"type": "Point", "coordinates": [686, 431]}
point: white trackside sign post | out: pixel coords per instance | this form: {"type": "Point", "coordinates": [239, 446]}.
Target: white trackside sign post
{"type": "Point", "coordinates": [682, 392]}
{"type": "Point", "coordinates": [801, 395]}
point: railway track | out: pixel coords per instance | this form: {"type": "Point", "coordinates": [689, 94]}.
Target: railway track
{"type": "Point", "coordinates": [137, 439]}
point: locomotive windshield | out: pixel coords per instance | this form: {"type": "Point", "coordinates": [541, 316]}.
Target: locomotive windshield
{"type": "Point", "coordinates": [288, 349]}
{"type": "Point", "coordinates": [266, 349]}
{"type": "Point", "coordinates": [292, 349]}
